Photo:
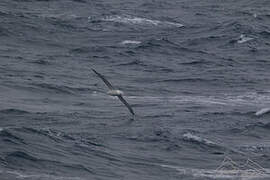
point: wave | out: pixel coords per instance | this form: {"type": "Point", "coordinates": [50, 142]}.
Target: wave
{"type": "Point", "coordinates": [31, 159]}
{"type": "Point", "coordinates": [61, 17]}
{"type": "Point", "coordinates": [59, 136]}
{"type": "Point", "coordinates": [252, 99]}
{"type": "Point", "coordinates": [61, 89]}
{"type": "Point", "coordinates": [33, 163]}
{"type": "Point", "coordinates": [41, 62]}
{"type": "Point", "coordinates": [253, 130]}
{"type": "Point", "coordinates": [133, 62]}
{"type": "Point", "coordinates": [159, 135]}
{"type": "Point", "coordinates": [221, 174]}
{"type": "Point", "coordinates": [185, 80]}
{"type": "Point", "coordinates": [13, 111]}
{"type": "Point", "coordinates": [4, 32]}
{"type": "Point", "coordinates": [49, 133]}
{"type": "Point", "coordinates": [14, 135]}
{"type": "Point", "coordinates": [140, 21]}
{"type": "Point", "coordinates": [262, 111]}
{"type": "Point", "coordinates": [256, 148]}
{"type": "Point", "coordinates": [194, 62]}
{"type": "Point", "coordinates": [182, 99]}
{"type": "Point", "coordinates": [215, 148]}
{"type": "Point", "coordinates": [20, 155]}
{"type": "Point", "coordinates": [80, 50]}
{"type": "Point", "coordinates": [193, 138]}
{"type": "Point", "coordinates": [54, 88]}
{"type": "Point", "coordinates": [8, 136]}
{"type": "Point", "coordinates": [23, 175]}
{"type": "Point", "coordinates": [258, 124]}
{"type": "Point", "coordinates": [160, 44]}
{"type": "Point", "coordinates": [3, 13]}
{"type": "Point", "coordinates": [130, 42]}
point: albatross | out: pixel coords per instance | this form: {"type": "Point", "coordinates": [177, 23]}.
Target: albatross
{"type": "Point", "coordinates": [114, 92]}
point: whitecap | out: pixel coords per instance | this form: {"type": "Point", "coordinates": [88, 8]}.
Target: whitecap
{"type": "Point", "coordinates": [140, 21]}
{"type": "Point", "coordinates": [192, 137]}
{"type": "Point", "coordinates": [39, 176]}
{"type": "Point", "coordinates": [221, 174]}
{"type": "Point", "coordinates": [248, 98]}
{"type": "Point", "coordinates": [227, 169]}
{"type": "Point", "coordinates": [130, 42]}
{"type": "Point", "coordinates": [262, 111]}
{"type": "Point", "coordinates": [62, 16]}
{"type": "Point", "coordinates": [255, 148]}
{"type": "Point", "coordinates": [243, 38]}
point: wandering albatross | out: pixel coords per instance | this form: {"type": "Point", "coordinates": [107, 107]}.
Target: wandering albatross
{"type": "Point", "coordinates": [115, 92]}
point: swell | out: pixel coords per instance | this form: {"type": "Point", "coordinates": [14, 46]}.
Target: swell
{"type": "Point", "coordinates": [17, 158]}
{"type": "Point", "coordinates": [173, 141]}
{"type": "Point", "coordinates": [133, 63]}
{"type": "Point", "coordinates": [33, 149]}
{"type": "Point", "coordinates": [255, 130]}
{"type": "Point", "coordinates": [13, 111]}
{"type": "Point", "coordinates": [234, 112]}
{"type": "Point", "coordinates": [206, 145]}
{"type": "Point", "coordinates": [262, 125]}
{"type": "Point", "coordinates": [159, 44]}
{"type": "Point", "coordinates": [256, 148]}
{"type": "Point", "coordinates": [186, 80]}
{"type": "Point", "coordinates": [59, 89]}
{"type": "Point", "coordinates": [53, 88]}
{"type": "Point", "coordinates": [41, 62]}
{"type": "Point", "coordinates": [23, 175]}
{"type": "Point", "coordinates": [61, 137]}
{"type": "Point", "coordinates": [140, 21]}
{"type": "Point", "coordinates": [7, 136]}
{"type": "Point", "coordinates": [5, 32]}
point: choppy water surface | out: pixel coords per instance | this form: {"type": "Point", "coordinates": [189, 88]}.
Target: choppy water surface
{"type": "Point", "coordinates": [195, 72]}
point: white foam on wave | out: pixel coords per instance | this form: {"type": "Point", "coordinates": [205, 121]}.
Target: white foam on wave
{"type": "Point", "coordinates": [245, 174]}
{"type": "Point", "coordinates": [182, 99]}
{"type": "Point", "coordinates": [192, 137]}
{"type": "Point", "coordinates": [130, 42]}
{"type": "Point", "coordinates": [249, 98]}
{"type": "Point", "coordinates": [62, 16]}
{"type": "Point", "coordinates": [140, 21]}
{"type": "Point", "coordinates": [262, 111]}
{"type": "Point", "coordinates": [243, 38]}
{"type": "Point", "coordinates": [20, 175]}
{"type": "Point", "coordinates": [255, 148]}
{"type": "Point", "coordinates": [228, 169]}
{"type": "Point", "coordinates": [199, 99]}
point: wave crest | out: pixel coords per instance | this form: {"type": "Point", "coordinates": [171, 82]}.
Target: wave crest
{"type": "Point", "coordinates": [140, 21]}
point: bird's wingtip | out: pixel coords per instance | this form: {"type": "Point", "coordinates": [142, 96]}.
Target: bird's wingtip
{"type": "Point", "coordinates": [94, 70]}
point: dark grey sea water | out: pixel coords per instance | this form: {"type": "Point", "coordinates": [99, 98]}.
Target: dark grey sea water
{"type": "Point", "coordinates": [195, 73]}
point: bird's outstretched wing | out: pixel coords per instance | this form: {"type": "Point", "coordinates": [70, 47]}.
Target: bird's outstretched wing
{"type": "Point", "coordinates": [104, 80]}
{"type": "Point", "coordinates": [126, 104]}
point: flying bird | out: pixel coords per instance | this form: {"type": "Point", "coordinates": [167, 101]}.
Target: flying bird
{"type": "Point", "coordinates": [115, 92]}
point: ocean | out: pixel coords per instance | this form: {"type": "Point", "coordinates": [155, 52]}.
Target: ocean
{"type": "Point", "coordinates": [196, 73]}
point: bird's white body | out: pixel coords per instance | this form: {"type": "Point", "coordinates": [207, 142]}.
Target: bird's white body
{"type": "Point", "coordinates": [115, 92]}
